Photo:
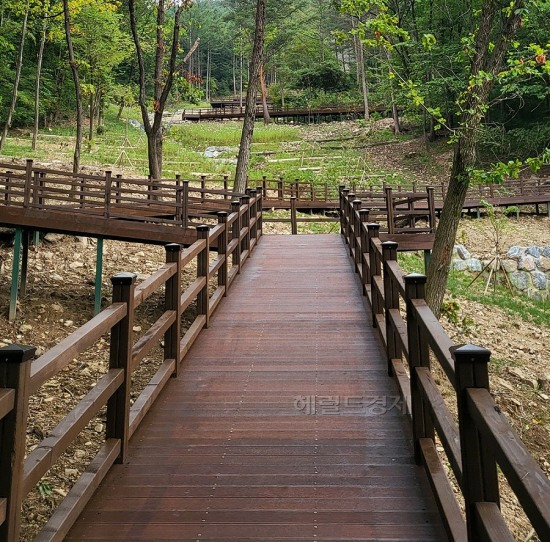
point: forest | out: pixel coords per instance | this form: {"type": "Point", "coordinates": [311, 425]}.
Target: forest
{"type": "Point", "coordinates": [415, 54]}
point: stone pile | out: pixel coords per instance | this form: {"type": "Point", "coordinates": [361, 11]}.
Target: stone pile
{"type": "Point", "coordinates": [528, 268]}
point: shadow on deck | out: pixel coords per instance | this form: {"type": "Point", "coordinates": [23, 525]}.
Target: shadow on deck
{"type": "Point", "coordinates": [282, 424]}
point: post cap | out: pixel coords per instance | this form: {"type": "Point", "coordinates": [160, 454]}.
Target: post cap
{"type": "Point", "coordinates": [388, 245]}
{"type": "Point", "coordinates": [415, 278]}
{"type": "Point", "coordinates": [351, 196]}
{"type": "Point", "coordinates": [364, 211]}
{"type": "Point", "coordinates": [173, 247]}
{"type": "Point", "coordinates": [373, 226]}
{"type": "Point", "coordinates": [123, 279]}
{"type": "Point", "coordinates": [17, 353]}
{"type": "Point", "coordinates": [259, 188]}
{"type": "Point", "coordinates": [292, 197]}
{"type": "Point", "coordinates": [470, 353]}
{"type": "Point", "coordinates": [235, 202]}
{"type": "Point", "coordinates": [203, 227]}
{"type": "Point", "coordinates": [222, 215]}
{"type": "Point", "coordinates": [357, 202]}
{"type": "Point", "coordinates": [245, 197]}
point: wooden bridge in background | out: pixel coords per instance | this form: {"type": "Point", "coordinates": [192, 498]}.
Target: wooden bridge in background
{"type": "Point", "coordinates": [233, 111]}
{"type": "Point", "coordinates": [302, 407]}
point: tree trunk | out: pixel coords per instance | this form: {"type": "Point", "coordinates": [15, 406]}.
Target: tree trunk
{"type": "Point", "coordinates": [38, 81]}
{"type": "Point", "coordinates": [92, 115]}
{"type": "Point", "coordinates": [488, 60]}
{"type": "Point", "coordinates": [154, 148]}
{"type": "Point", "coordinates": [77, 90]}
{"type": "Point", "coordinates": [162, 80]}
{"type": "Point", "coordinates": [18, 66]}
{"type": "Point", "coordinates": [250, 111]}
{"type": "Point", "coordinates": [263, 88]}
{"type": "Point", "coordinates": [363, 75]}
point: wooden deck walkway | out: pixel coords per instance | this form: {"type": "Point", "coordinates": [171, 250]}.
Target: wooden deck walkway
{"type": "Point", "coordinates": [229, 453]}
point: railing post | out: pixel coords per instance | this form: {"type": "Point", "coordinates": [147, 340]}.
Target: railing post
{"type": "Point", "coordinates": [246, 222]}
{"type": "Point", "coordinates": [15, 370]}
{"type": "Point", "coordinates": [419, 356]}
{"type": "Point", "coordinates": [390, 209]}
{"type": "Point", "coordinates": [354, 229]}
{"type": "Point", "coordinates": [253, 214]}
{"type": "Point", "coordinates": [222, 252]}
{"type": "Point", "coordinates": [344, 212]}
{"type": "Point", "coordinates": [120, 357]}
{"type": "Point", "coordinates": [293, 218]}
{"type": "Point", "coordinates": [225, 186]}
{"type": "Point", "coordinates": [280, 189]}
{"type": "Point", "coordinates": [108, 183]}
{"type": "Point", "coordinates": [203, 266]}
{"type": "Point", "coordinates": [479, 470]}
{"type": "Point", "coordinates": [341, 188]}
{"type": "Point", "coordinates": [349, 217]}
{"type": "Point", "coordinates": [373, 231]}
{"type": "Point", "coordinates": [260, 211]}
{"type": "Point", "coordinates": [172, 302]}
{"type": "Point", "coordinates": [364, 218]}
{"type": "Point", "coordinates": [28, 183]}
{"type": "Point", "coordinates": [235, 234]}
{"type": "Point", "coordinates": [391, 301]}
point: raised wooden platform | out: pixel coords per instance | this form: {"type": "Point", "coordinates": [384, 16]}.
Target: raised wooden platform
{"type": "Point", "coordinates": [280, 425]}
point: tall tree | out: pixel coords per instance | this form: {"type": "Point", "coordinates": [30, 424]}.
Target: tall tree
{"type": "Point", "coordinates": [250, 109]}
{"type": "Point", "coordinates": [163, 75]}
{"type": "Point", "coordinates": [18, 66]}
{"type": "Point", "coordinates": [76, 83]}
{"type": "Point", "coordinates": [497, 28]}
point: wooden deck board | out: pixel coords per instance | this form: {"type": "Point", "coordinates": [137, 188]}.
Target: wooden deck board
{"type": "Point", "coordinates": [227, 454]}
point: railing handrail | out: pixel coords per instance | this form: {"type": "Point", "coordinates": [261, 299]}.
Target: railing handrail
{"type": "Point", "coordinates": [21, 376]}
{"type": "Point", "coordinates": [482, 438]}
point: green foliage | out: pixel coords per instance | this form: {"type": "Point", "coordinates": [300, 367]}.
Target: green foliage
{"type": "Point", "coordinates": [326, 76]}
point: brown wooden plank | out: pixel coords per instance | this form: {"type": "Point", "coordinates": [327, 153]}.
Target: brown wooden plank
{"type": "Point", "coordinates": [66, 514]}
{"type": "Point", "coordinates": [58, 357]}
{"type": "Point", "coordinates": [229, 452]}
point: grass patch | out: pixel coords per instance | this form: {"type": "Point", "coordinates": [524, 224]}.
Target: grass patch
{"type": "Point", "coordinates": [459, 287]}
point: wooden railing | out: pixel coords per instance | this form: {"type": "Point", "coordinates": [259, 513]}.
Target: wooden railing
{"type": "Point", "coordinates": [235, 236]}
{"type": "Point", "coordinates": [163, 201]}
{"type": "Point", "coordinates": [481, 437]}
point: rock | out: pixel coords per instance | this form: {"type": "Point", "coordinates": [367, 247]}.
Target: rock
{"type": "Point", "coordinates": [57, 278]}
{"type": "Point", "coordinates": [53, 237]}
{"type": "Point", "coordinates": [47, 255]}
{"type": "Point", "coordinates": [524, 377]}
{"type": "Point", "coordinates": [474, 265]}
{"type": "Point", "coordinates": [520, 280]}
{"type": "Point", "coordinates": [68, 323]}
{"type": "Point", "coordinates": [71, 472]}
{"type": "Point", "coordinates": [83, 241]}
{"type": "Point", "coordinates": [79, 454]}
{"type": "Point", "coordinates": [137, 329]}
{"type": "Point", "coordinates": [527, 263]}
{"type": "Point", "coordinates": [544, 381]}
{"type": "Point", "coordinates": [55, 307]}
{"type": "Point", "coordinates": [462, 252]}
{"type": "Point", "coordinates": [98, 428]}
{"type": "Point", "coordinates": [140, 254]}
{"type": "Point", "coordinates": [510, 266]}
{"type": "Point", "coordinates": [537, 295]}
{"type": "Point", "coordinates": [459, 265]}
{"type": "Point", "coordinates": [540, 281]}
{"type": "Point", "coordinates": [515, 252]}
{"type": "Point", "coordinates": [76, 265]}
{"type": "Point", "coordinates": [544, 263]}
{"type": "Point", "coordinates": [25, 327]}
{"type": "Point", "coordinates": [546, 252]}
{"type": "Point", "coordinates": [533, 251]}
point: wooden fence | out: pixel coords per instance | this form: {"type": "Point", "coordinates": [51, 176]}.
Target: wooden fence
{"type": "Point", "coordinates": [235, 236]}
{"type": "Point", "coordinates": [482, 438]}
